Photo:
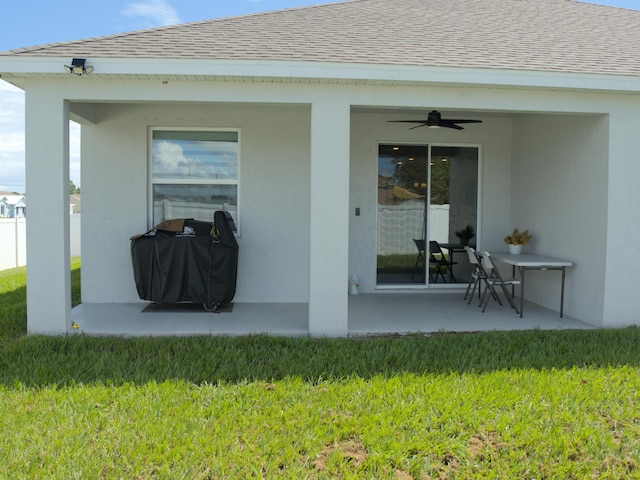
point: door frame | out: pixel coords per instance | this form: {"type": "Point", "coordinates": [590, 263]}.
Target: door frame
{"type": "Point", "coordinates": [428, 285]}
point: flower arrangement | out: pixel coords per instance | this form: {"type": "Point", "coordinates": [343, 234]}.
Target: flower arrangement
{"type": "Point", "coordinates": [518, 238]}
{"type": "Point", "coordinates": [465, 234]}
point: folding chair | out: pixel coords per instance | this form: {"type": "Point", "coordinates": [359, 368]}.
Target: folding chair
{"type": "Point", "coordinates": [420, 259]}
{"type": "Point", "coordinates": [477, 276]}
{"type": "Point", "coordinates": [441, 262]}
{"type": "Point", "coordinates": [494, 279]}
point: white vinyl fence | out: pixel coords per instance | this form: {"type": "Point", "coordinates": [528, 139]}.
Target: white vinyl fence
{"type": "Point", "coordinates": [398, 225]}
{"type": "Point", "coordinates": [166, 209]}
{"type": "Point", "coordinates": [13, 240]}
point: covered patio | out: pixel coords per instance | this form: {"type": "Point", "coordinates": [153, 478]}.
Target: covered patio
{"type": "Point", "coordinates": [527, 175]}
{"type": "Point", "coordinates": [300, 148]}
{"type": "Point", "coordinates": [369, 314]}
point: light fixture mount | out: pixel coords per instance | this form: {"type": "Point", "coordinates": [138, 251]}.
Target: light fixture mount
{"type": "Point", "coordinates": [78, 67]}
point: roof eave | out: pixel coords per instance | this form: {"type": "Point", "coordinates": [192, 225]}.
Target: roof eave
{"type": "Point", "coordinates": [15, 69]}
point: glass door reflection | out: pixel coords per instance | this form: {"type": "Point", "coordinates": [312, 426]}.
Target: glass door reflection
{"type": "Point", "coordinates": [402, 194]}
{"type": "Point", "coordinates": [426, 194]}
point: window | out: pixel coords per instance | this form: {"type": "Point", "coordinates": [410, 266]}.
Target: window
{"type": "Point", "coordinates": [194, 173]}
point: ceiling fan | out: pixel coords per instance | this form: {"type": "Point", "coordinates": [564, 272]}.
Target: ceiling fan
{"type": "Point", "coordinates": [435, 120]}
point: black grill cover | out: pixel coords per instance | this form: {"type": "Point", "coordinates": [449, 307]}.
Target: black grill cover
{"type": "Point", "coordinates": [198, 263]}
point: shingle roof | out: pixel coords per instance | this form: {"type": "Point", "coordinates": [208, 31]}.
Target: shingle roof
{"type": "Point", "coordinates": [540, 35]}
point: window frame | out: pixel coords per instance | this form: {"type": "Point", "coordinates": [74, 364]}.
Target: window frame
{"type": "Point", "coordinates": [151, 182]}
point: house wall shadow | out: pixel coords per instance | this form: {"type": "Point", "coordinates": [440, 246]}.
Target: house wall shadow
{"type": "Point", "coordinates": [35, 361]}
{"type": "Point", "coordinates": [13, 315]}
{"type": "Point", "coordinates": [13, 303]}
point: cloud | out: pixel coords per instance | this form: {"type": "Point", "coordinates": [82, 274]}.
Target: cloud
{"type": "Point", "coordinates": [153, 12]}
{"type": "Point", "coordinates": [12, 141]}
{"type": "Point", "coordinates": [12, 151]}
{"type": "Point", "coordinates": [170, 161]}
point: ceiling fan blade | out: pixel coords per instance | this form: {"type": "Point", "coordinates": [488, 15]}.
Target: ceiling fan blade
{"type": "Point", "coordinates": [450, 124]}
{"type": "Point", "coordinates": [407, 121]}
{"type": "Point", "coordinates": [434, 119]}
{"type": "Point", "coordinates": [450, 120]}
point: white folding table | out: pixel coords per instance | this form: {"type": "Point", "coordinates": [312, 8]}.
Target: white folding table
{"type": "Point", "coordinates": [533, 261]}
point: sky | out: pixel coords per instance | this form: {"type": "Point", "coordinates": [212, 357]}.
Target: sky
{"type": "Point", "coordinates": [33, 22]}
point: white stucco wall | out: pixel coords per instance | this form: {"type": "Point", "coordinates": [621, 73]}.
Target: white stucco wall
{"type": "Point", "coordinates": [274, 224]}
{"type": "Point", "coordinates": [47, 177]}
{"type": "Point", "coordinates": [623, 228]}
{"type": "Point", "coordinates": [559, 193]}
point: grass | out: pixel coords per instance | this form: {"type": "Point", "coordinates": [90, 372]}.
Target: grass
{"type": "Point", "coordinates": [487, 405]}
{"type": "Point", "coordinates": [402, 264]}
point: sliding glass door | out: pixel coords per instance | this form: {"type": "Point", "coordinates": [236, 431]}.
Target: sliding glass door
{"type": "Point", "coordinates": [425, 195]}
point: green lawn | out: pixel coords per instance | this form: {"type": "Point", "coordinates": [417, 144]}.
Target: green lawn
{"type": "Point", "coordinates": [506, 405]}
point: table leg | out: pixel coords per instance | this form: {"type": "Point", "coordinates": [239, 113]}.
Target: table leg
{"type": "Point", "coordinates": [513, 287]}
{"type": "Point", "coordinates": [522, 269]}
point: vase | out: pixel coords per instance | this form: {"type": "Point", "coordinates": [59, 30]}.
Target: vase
{"type": "Point", "coordinates": [515, 249]}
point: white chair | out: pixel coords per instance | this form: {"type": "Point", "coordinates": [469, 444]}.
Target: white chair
{"type": "Point", "coordinates": [477, 276]}
{"type": "Point", "coordinates": [494, 279]}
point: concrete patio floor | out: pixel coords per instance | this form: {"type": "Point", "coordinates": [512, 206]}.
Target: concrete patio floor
{"type": "Point", "coordinates": [380, 313]}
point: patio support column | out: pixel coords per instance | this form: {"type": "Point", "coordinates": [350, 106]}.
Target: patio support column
{"type": "Point", "coordinates": [329, 217]}
{"type": "Point", "coordinates": [47, 183]}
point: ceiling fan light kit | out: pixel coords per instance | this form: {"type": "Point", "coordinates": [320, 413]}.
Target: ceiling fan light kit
{"type": "Point", "coordinates": [435, 120]}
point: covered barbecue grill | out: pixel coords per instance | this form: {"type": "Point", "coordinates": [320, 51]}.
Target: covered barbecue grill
{"type": "Point", "coordinates": [186, 260]}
